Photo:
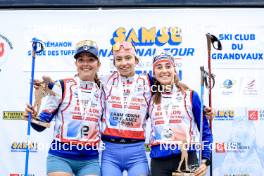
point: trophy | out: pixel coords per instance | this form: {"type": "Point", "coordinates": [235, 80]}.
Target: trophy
{"type": "Point", "coordinates": [40, 92]}
{"type": "Point", "coordinates": [188, 169]}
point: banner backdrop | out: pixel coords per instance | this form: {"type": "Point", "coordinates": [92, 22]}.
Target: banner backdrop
{"type": "Point", "coordinates": [237, 96]}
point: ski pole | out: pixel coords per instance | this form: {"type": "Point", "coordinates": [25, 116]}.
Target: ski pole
{"type": "Point", "coordinates": [35, 49]}
{"type": "Point", "coordinates": [201, 113]}
{"type": "Point", "coordinates": [211, 40]}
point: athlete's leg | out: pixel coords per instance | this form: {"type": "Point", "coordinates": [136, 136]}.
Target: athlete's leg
{"type": "Point", "coordinates": [112, 160]}
{"type": "Point", "coordinates": [88, 168]}
{"type": "Point", "coordinates": [136, 160]}
{"type": "Point", "coordinates": [58, 166]}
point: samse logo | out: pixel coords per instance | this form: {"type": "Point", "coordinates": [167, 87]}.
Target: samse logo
{"type": "Point", "coordinates": [148, 37]}
{"type": "Point", "coordinates": [21, 147]}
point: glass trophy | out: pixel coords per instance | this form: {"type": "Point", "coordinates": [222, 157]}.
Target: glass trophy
{"type": "Point", "coordinates": [185, 169]}
{"type": "Point", "coordinates": [40, 92]}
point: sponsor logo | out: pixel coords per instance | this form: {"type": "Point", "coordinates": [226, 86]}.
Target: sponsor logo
{"type": "Point", "coordinates": [261, 114]}
{"type": "Point", "coordinates": [4, 41]}
{"type": "Point", "coordinates": [228, 86]}
{"type": "Point", "coordinates": [150, 40]}
{"type": "Point", "coordinates": [224, 115]}
{"type": "Point", "coordinates": [253, 115]}
{"type": "Point", "coordinates": [250, 84]}
{"type": "Point", "coordinates": [21, 147]}
{"type": "Point", "coordinates": [228, 83]}
{"type": "Point", "coordinates": [148, 37]}
{"type": "Point", "coordinates": [250, 88]}
{"type": "Point", "coordinates": [4, 45]}
{"type": "Point", "coordinates": [224, 147]}
{"type": "Point", "coordinates": [220, 147]}
{"type": "Point", "coordinates": [13, 115]}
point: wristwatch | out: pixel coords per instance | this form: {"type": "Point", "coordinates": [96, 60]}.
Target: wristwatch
{"type": "Point", "coordinates": [207, 162]}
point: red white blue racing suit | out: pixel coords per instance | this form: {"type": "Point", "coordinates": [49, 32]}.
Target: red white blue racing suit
{"type": "Point", "coordinates": [123, 125]}
{"type": "Point", "coordinates": [77, 110]}
{"type": "Point", "coordinates": [177, 119]}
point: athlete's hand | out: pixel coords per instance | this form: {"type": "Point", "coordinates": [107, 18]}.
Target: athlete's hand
{"type": "Point", "coordinates": [29, 109]}
{"type": "Point", "coordinates": [37, 83]}
{"type": "Point", "coordinates": [209, 113]}
{"type": "Point", "coordinates": [201, 171]}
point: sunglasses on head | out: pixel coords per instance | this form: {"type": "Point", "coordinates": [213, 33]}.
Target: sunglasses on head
{"type": "Point", "coordinates": [88, 43]}
{"type": "Point", "coordinates": [124, 44]}
{"type": "Point", "coordinates": [162, 56]}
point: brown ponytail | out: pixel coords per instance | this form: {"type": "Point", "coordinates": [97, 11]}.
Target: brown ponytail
{"type": "Point", "coordinates": [97, 80]}
{"type": "Point", "coordinates": [96, 77]}
{"type": "Point", "coordinates": [156, 93]}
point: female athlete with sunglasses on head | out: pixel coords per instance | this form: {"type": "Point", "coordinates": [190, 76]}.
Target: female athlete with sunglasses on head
{"type": "Point", "coordinates": [77, 107]}
{"type": "Point", "coordinates": [175, 121]}
{"type": "Point", "coordinates": [126, 103]}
